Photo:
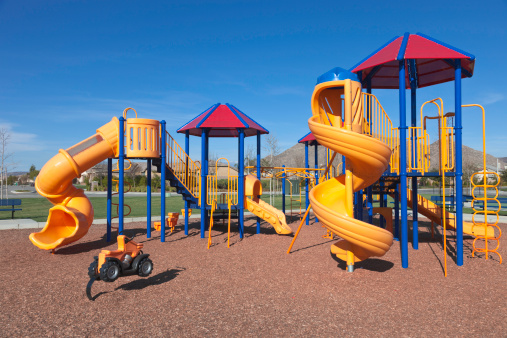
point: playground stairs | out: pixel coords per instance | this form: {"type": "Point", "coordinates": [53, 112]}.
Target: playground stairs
{"type": "Point", "coordinates": [176, 183]}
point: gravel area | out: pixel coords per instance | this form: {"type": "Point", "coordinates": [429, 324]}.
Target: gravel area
{"type": "Point", "coordinates": [252, 288]}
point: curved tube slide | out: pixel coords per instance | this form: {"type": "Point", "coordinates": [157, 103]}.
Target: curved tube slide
{"type": "Point", "coordinates": [262, 209]}
{"type": "Point", "coordinates": [368, 159]}
{"type": "Point", "coordinates": [72, 214]}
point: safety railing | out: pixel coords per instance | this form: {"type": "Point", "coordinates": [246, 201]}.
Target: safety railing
{"type": "Point", "coordinates": [186, 171]}
{"type": "Point", "coordinates": [418, 149]}
{"type": "Point", "coordinates": [378, 125]}
{"type": "Point", "coordinates": [213, 190]}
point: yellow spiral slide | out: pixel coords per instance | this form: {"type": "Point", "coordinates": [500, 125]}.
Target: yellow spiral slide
{"type": "Point", "coordinates": [366, 160]}
{"type": "Point", "coordinates": [72, 214]}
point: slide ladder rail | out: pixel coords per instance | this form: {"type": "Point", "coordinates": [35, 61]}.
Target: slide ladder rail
{"type": "Point", "coordinates": [485, 224]}
{"type": "Point", "coordinates": [184, 169]}
{"type": "Point", "coordinates": [379, 126]}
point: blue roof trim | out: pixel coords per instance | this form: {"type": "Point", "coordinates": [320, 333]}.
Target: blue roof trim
{"type": "Point", "coordinates": [403, 47]}
{"type": "Point", "coordinates": [183, 126]}
{"type": "Point", "coordinates": [207, 115]}
{"type": "Point", "coordinates": [299, 141]}
{"type": "Point", "coordinates": [375, 52]}
{"type": "Point", "coordinates": [337, 74]}
{"type": "Point", "coordinates": [471, 56]}
{"type": "Point", "coordinates": [452, 63]}
{"type": "Point", "coordinates": [267, 131]}
{"type": "Point", "coordinates": [371, 75]}
{"type": "Point", "coordinates": [412, 68]}
{"type": "Point", "coordinates": [237, 115]}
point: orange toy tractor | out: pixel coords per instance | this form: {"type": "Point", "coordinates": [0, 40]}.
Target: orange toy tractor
{"type": "Point", "coordinates": [127, 260]}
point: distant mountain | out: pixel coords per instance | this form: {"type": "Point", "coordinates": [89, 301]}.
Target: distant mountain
{"type": "Point", "coordinates": [295, 157]}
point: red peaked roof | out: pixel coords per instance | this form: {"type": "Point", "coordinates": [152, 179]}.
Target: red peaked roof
{"type": "Point", "coordinates": [310, 138]}
{"type": "Point", "coordinates": [429, 60]}
{"type": "Point", "coordinates": [222, 120]}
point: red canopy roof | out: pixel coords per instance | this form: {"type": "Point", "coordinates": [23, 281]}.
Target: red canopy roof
{"type": "Point", "coordinates": [310, 138]}
{"type": "Point", "coordinates": [428, 60]}
{"type": "Point", "coordinates": [222, 120]}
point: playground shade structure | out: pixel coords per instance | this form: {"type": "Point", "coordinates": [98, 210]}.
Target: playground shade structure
{"type": "Point", "coordinates": [72, 214]}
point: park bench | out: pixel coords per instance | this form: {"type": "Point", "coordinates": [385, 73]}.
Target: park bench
{"type": "Point", "coordinates": [438, 200]}
{"type": "Point", "coordinates": [491, 204]}
{"type": "Point", "coordinates": [12, 203]}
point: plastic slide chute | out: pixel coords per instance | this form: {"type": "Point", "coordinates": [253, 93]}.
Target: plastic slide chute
{"type": "Point", "coordinates": [366, 158]}
{"type": "Point", "coordinates": [72, 214]}
{"type": "Point", "coordinates": [275, 217]}
{"type": "Point", "coordinates": [434, 213]}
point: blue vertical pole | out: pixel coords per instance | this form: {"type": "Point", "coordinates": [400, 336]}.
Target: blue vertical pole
{"type": "Point", "coordinates": [316, 167]}
{"type": "Point", "coordinates": [204, 174]}
{"type": "Point", "coordinates": [148, 198]}
{"type": "Point", "coordinates": [415, 217]}
{"type": "Point", "coordinates": [121, 159]}
{"type": "Point", "coordinates": [109, 196]}
{"type": "Point", "coordinates": [283, 189]}
{"type": "Point", "coordinates": [307, 199]}
{"type": "Point", "coordinates": [187, 151]}
{"type": "Point", "coordinates": [397, 213]}
{"type": "Point", "coordinates": [381, 201]}
{"type": "Point", "coordinates": [459, 165]}
{"type": "Point", "coordinates": [162, 179]}
{"type": "Point", "coordinates": [403, 165]}
{"type": "Point", "coordinates": [258, 172]}
{"type": "Point", "coordinates": [241, 178]}
{"type": "Point", "coordinates": [369, 189]}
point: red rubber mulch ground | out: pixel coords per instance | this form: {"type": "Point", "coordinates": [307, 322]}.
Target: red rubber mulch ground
{"type": "Point", "coordinates": [252, 288]}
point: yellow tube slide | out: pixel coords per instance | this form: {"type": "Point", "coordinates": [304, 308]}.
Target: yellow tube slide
{"type": "Point", "coordinates": [434, 213]}
{"type": "Point", "coordinates": [72, 214]}
{"type": "Point", "coordinates": [263, 210]}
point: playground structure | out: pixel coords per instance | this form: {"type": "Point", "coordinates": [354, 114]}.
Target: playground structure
{"type": "Point", "coordinates": [380, 158]}
{"type": "Point", "coordinates": [145, 139]}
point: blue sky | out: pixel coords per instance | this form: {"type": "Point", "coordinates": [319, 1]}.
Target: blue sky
{"type": "Point", "coordinates": [68, 67]}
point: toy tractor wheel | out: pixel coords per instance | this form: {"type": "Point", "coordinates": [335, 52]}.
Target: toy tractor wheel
{"type": "Point", "coordinates": [109, 271]}
{"type": "Point", "coordinates": [92, 270]}
{"type": "Point", "coordinates": [145, 267]}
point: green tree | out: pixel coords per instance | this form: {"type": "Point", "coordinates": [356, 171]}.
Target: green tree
{"type": "Point", "coordinates": [32, 173]}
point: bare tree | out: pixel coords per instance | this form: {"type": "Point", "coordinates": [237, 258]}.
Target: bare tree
{"type": "Point", "coordinates": [4, 157]}
{"type": "Point", "coordinates": [272, 147]}
{"type": "Point", "coordinates": [135, 170]}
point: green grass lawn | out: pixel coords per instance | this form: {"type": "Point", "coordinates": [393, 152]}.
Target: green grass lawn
{"type": "Point", "coordinates": [37, 208]}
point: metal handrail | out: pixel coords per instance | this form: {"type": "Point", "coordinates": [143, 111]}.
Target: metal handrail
{"type": "Point", "coordinates": [184, 169]}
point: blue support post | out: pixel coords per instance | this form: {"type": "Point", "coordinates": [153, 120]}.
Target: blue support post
{"type": "Point", "coordinates": [397, 213]}
{"type": "Point", "coordinates": [403, 165]}
{"type": "Point", "coordinates": [413, 140]}
{"type": "Point", "coordinates": [187, 151]}
{"type": "Point", "coordinates": [307, 199]}
{"type": "Point", "coordinates": [283, 190]}
{"type": "Point", "coordinates": [381, 201]}
{"type": "Point", "coordinates": [162, 179]}
{"type": "Point", "coordinates": [369, 189]}
{"type": "Point", "coordinates": [109, 196]}
{"type": "Point", "coordinates": [204, 174]}
{"type": "Point", "coordinates": [241, 179]}
{"type": "Point", "coordinates": [148, 198]}
{"type": "Point", "coordinates": [459, 165]}
{"type": "Point", "coordinates": [316, 167]}
{"type": "Point", "coordinates": [121, 169]}
{"type": "Point", "coordinates": [258, 172]}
